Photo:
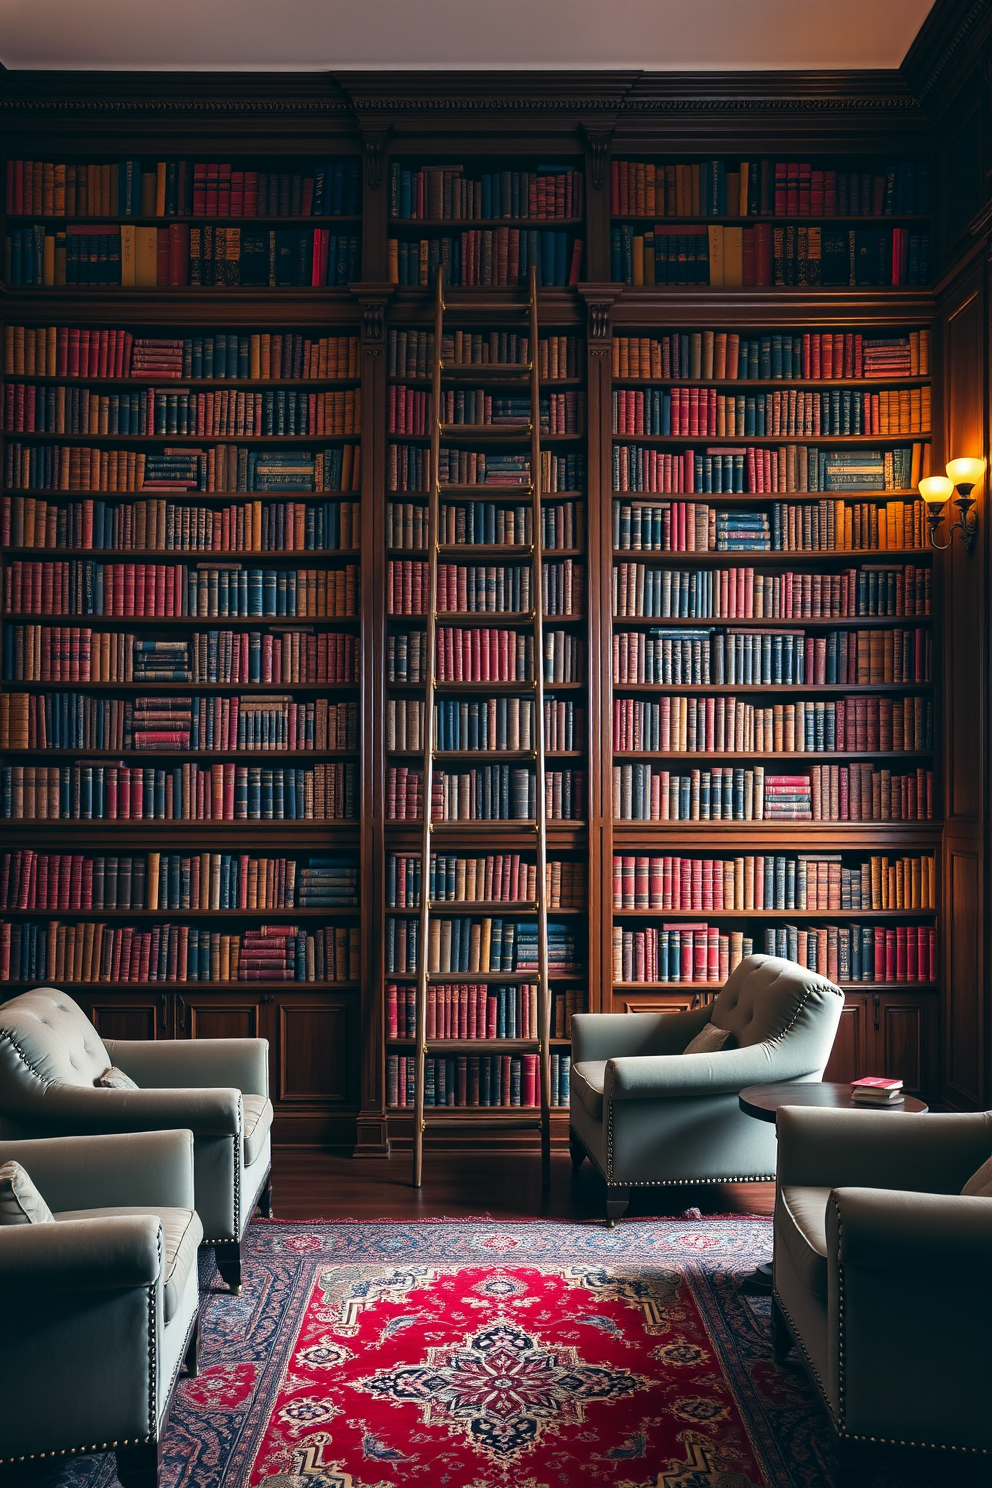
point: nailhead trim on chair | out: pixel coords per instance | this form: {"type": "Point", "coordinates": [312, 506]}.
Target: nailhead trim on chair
{"type": "Point", "coordinates": [839, 1427]}
{"type": "Point", "coordinates": [683, 1182]}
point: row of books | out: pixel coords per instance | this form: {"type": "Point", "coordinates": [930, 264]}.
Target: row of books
{"type": "Point", "coordinates": [73, 720]}
{"type": "Point", "coordinates": [442, 192]}
{"type": "Point", "coordinates": [83, 586]}
{"type": "Point", "coordinates": [180, 188]}
{"type": "Point", "coordinates": [488, 944]}
{"type": "Point", "coordinates": [158, 524]}
{"type": "Point", "coordinates": [695, 412]}
{"type": "Point", "coordinates": [688, 953]}
{"type": "Point", "coordinates": [119, 792]}
{"type": "Point", "coordinates": [463, 1010]}
{"type": "Point", "coordinates": [770, 256]}
{"type": "Point", "coordinates": [485, 523]}
{"type": "Point", "coordinates": [493, 588]}
{"type": "Point", "coordinates": [807, 356]}
{"type": "Point", "coordinates": [495, 877]}
{"type": "Point", "coordinates": [677, 953]}
{"type": "Point", "coordinates": [477, 1010]}
{"type": "Point", "coordinates": [483, 654]}
{"type": "Point", "coordinates": [840, 526]}
{"type": "Point", "coordinates": [766, 188]}
{"type": "Point", "coordinates": [222, 467]}
{"type": "Point", "coordinates": [33, 408]}
{"type": "Point", "coordinates": [408, 469]}
{"type": "Point", "coordinates": [484, 793]}
{"type": "Point", "coordinates": [90, 952]}
{"type": "Point", "coordinates": [79, 351]}
{"type": "Point", "coordinates": [760, 470]}
{"type": "Point", "coordinates": [871, 589]}
{"type": "Point", "coordinates": [772, 658]}
{"type": "Point", "coordinates": [859, 953]}
{"type": "Point", "coordinates": [62, 653]}
{"type": "Point", "coordinates": [855, 792]}
{"type": "Point", "coordinates": [161, 881]}
{"type": "Point", "coordinates": [410, 410]}
{"type": "Point", "coordinates": [180, 256]}
{"type": "Point", "coordinates": [677, 724]}
{"type": "Point", "coordinates": [475, 1081]}
{"type": "Point", "coordinates": [754, 881]}
{"type": "Point", "coordinates": [500, 256]}
{"type": "Point", "coordinates": [497, 723]}
{"type": "Point", "coordinates": [410, 353]}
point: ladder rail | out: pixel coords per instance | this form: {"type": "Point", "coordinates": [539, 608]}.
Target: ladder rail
{"type": "Point", "coordinates": [541, 832]}
{"type": "Point", "coordinates": [427, 734]}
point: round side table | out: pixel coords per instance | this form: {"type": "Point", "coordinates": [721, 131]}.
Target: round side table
{"type": "Point", "coordinates": [764, 1102]}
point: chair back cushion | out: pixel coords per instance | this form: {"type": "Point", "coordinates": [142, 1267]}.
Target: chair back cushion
{"type": "Point", "coordinates": [767, 997]}
{"type": "Point", "coordinates": [45, 1039]}
{"type": "Point", "coordinates": [20, 1201]}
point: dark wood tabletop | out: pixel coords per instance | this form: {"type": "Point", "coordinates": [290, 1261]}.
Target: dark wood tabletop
{"type": "Point", "coordinates": [763, 1101]}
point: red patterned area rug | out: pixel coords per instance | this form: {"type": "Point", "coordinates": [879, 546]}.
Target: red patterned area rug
{"type": "Point", "coordinates": [450, 1354]}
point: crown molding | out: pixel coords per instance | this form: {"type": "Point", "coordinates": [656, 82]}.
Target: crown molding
{"type": "Point", "coordinates": [954, 35]}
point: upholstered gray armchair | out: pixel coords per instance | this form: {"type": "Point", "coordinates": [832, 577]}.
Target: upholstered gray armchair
{"type": "Point", "coordinates": [51, 1057]}
{"type": "Point", "coordinates": [881, 1278]}
{"type": "Point", "coordinates": [100, 1307]}
{"type": "Point", "coordinates": [649, 1114]}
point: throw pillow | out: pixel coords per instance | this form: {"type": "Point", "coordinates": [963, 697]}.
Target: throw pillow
{"type": "Point", "coordinates": [20, 1201]}
{"type": "Point", "coordinates": [708, 1040]}
{"type": "Point", "coordinates": [115, 1079]}
{"type": "Point", "coordinates": [979, 1185]}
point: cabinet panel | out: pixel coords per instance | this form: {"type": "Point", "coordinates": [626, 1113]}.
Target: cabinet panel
{"type": "Point", "coordinates": [906, 1035]}
{"type": "Point", "coordinates": [128, 1015]}
{"type": "Point", "coordinates": [316, 1052]}
{"type": "Point", "coordinates": [223, 1015]}
{"type": "Point", "coordinates": [849, 1056]}
{"type": "Point", "coordinates": [668, 1002]}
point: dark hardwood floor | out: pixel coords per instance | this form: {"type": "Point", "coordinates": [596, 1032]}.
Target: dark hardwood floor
{"type": "Point", "coordinates": [310, 1184]}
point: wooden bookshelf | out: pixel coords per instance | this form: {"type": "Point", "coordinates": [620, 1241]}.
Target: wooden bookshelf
{"type": "Point", "coordinates": [330, 1040]}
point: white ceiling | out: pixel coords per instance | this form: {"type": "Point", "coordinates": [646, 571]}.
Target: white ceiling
{"type": "Point", "coordinates": [319, 35]}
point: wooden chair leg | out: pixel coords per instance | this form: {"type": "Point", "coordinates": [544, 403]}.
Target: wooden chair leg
{"type": "Point", "coordinates": [228, 1257]}
{"type": "Point", "coordinates": [138, 1467]}
{"type": "Point", "coordinates": [781, 1334]}
{"type": "Point", "coordinates": [191, 1361]}
{"type": "Point", "coordinates": [577, 1150]}
{"type": "Point", "coordinates": [617, 1199]}
{"type": "Point", "coordinates": [265, 1199]}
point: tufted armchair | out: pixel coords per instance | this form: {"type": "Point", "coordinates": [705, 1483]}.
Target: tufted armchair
{"type": "Point", "coordinates": [883, 1233]}
{"type": "Point", "coordinates": [99, 1300]}
{"type": "Point", "coordinates": [648, 1114]}
{"type": "Point", "coordinates": [51, 1056]}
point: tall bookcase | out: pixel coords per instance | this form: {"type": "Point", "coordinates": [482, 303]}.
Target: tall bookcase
{"type": "Point", "coordinates": [599, 437]}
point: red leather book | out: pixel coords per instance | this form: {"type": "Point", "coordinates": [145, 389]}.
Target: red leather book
{"type": "Point", "coordinates": [178, 250]}
{"type": "Point", "coordinates": [162, 260]}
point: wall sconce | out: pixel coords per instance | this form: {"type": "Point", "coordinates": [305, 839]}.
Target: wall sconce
{"type": "Point", "coordinates": [963, 476]}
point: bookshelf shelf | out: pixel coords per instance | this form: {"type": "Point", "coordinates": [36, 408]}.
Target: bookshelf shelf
{"type": "Point", "coordinates": [713, 987]}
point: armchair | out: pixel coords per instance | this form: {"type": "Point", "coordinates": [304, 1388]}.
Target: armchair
{"type": "Point", "coordinates": [881, 1277]}
{"type": "Point", "coordinates": [50, 1056]}
{"type": "Point", "coordinates": [648, 1114]}
{"type": "Point", "coordinates": [100, 1308]}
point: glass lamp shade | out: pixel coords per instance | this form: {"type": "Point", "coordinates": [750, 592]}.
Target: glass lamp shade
{"type": "Point", "coordinates": [966, 471]}
{"type": "Point", "coordinates": [935, 490]}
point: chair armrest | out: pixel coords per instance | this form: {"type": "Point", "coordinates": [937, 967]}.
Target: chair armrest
{"type": "Point", "coordinates": [720, 1073]}
{"type": "Point", "coordinates": [140, 1168]}
{"type": "Point", "coordinates": [194, 1063]}
{"type": "Point", "coordinates": [83, 1110]}
{"type": "Point", "coordinates": [598, 1036]}
{"type": "Point", "coordinates": [81, 1255]}
{"type": "Point", "coordinates": [892, 1229]}
{"type": "Point", "coordinates": [881, 1149]}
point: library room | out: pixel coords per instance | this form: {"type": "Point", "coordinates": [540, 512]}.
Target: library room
{"type": "Point", "coordinates": [495, 744]}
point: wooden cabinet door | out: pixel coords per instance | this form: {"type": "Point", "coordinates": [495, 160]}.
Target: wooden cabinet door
{"type": "Point", "coordinates": [222, 1014]}
{"type": "Point", "coordinates": [668, 1002]}
{"type": "Point", "coordinates": [905, 1029]}
{"type": "Point", "coordinates": [851, 1053]}
{"type": "Point", "coordinates": [316, 1048]}
{"type": "Point", "coordinates": [129, 1014]}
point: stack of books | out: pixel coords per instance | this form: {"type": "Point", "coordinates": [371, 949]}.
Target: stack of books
{"type": "Point", "coordinates": [876, 1090]}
